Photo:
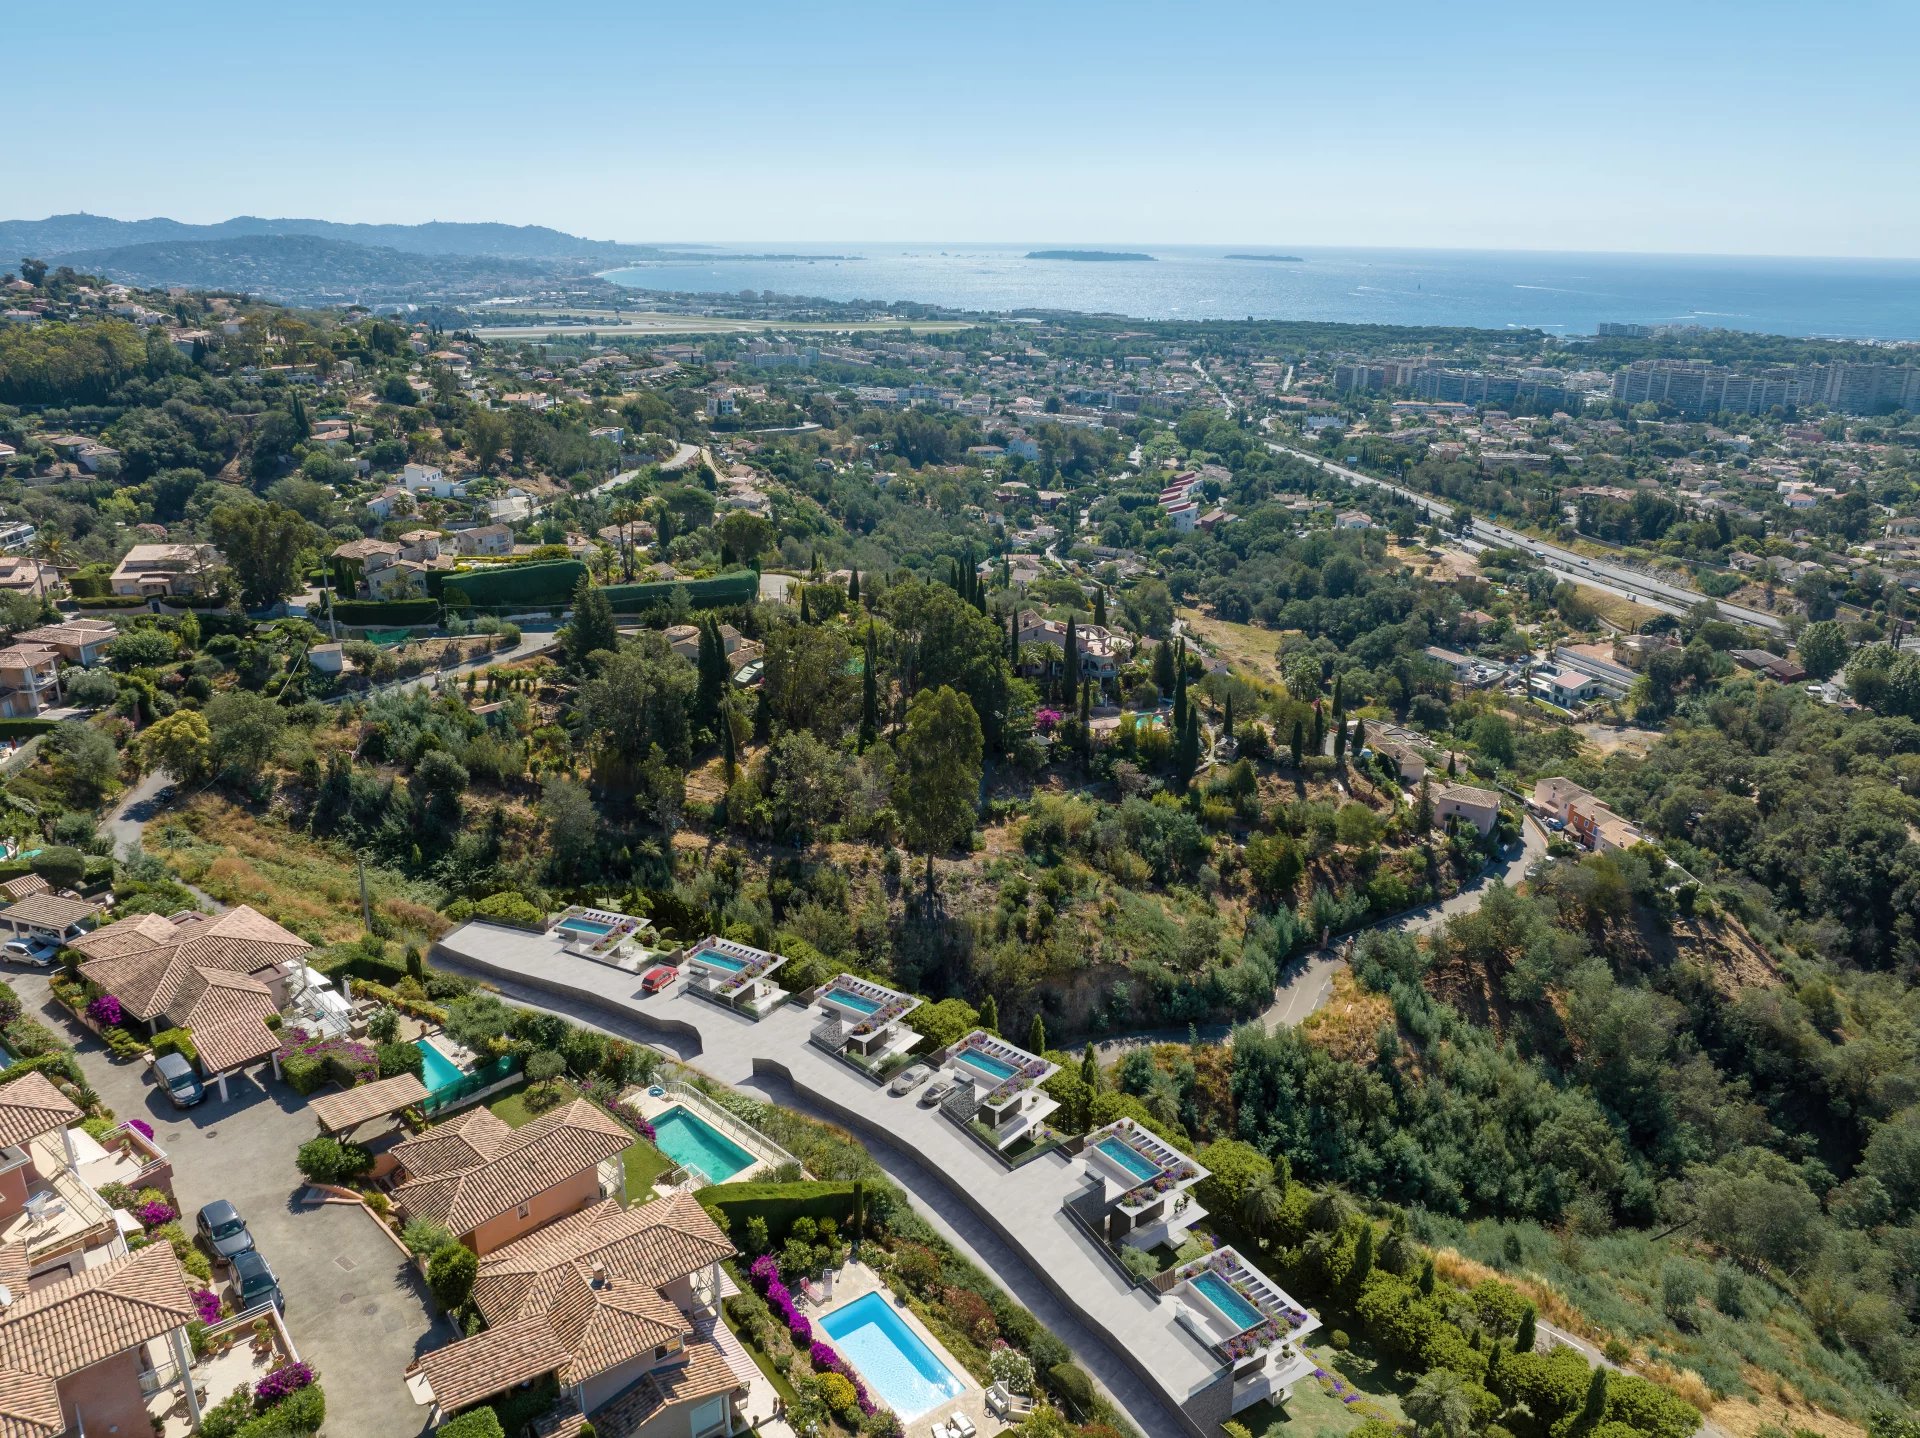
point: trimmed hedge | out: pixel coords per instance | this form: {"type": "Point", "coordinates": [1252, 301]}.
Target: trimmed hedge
{"type": "Point", "coordinates": [719, 592]}
{"type": "Point", "coordinates": [21, 728]}
{"type": "Point", "coordinates": [386, 611]}
{"type": "Point", "coordinates": [733, 1204]}
{"type": "Point", "coordinates": [539, 584]}
{"type": "Point", "coordinates": [176, 1041]}
{"type": "Point", "coordinates": [474, 1423]}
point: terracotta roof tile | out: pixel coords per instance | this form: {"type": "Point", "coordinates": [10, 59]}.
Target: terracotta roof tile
{"type": "Point", "coordinates": [143, 961]}
{"type": "Point", "coordinates": [337, 1112]}
{"type": "Point", "coordinates": [544, 1154]}
{"type": "Point", "coordinates": [30, 1106]}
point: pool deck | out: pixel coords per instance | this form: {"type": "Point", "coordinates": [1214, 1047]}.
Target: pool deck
{"type": "Point", "coordinates": [854, 1281]}
{"type": "Point", "coordinates": [1012, 1222]}
{"type": "Point", "coordinates": [649, 1106]}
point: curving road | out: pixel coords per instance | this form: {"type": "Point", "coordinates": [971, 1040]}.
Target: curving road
{"type": "Point", "coordinates": [1629, 583]}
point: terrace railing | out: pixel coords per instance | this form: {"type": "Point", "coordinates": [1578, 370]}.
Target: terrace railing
{"type": "Point", "coordinates": [748, 1137]}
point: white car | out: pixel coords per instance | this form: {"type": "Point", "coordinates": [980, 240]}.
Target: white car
{"type": "Point", "coordinates": [909, 1080]}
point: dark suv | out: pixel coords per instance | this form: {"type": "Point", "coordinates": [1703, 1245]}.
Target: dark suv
{"type": "Point", "coordinates": [224, 1231]}
{"type": "Point", "coordinates": [255, 1283]}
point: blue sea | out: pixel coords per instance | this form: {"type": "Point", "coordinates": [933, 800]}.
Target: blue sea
{"type": "Point", "coordinates": [1563, 293]}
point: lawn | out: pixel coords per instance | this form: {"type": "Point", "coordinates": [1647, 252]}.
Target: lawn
{"type": "Point", "coordinates": [643, 1162]}
{"type": "Point", "coordinates": [1246, 646]}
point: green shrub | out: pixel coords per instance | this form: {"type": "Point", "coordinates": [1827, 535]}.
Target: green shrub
{"type": "Point", "coordinates": [29, 1038]}
{"type": "Point", "coordinates": [509, 907]}
{"type": "Point", "coordinates": [327, 1160]}
{"type": "Point", "coordinates": [777, 1204]}
{"type": "Point", "coordinates": [543, 584]}
{"type": "Point", "coordinates": [298, 1414]}
{"type": "Point", "coordinates": [1073, 1387]}
{"type": "Point", "coordinates": [450, 1274]}
{"type": "Point", "coordinates": [399, 1058]}
{"type": "Point", "coordinates": [720, 592]}
{"type": "Point", "coordinates": [474, 1423]}
{"type": "Point", "coordinates": [176, 1041]}
{"type": "Point", "coordinates": [304, 1073]}
{"type": "Point", "coordinates": [121, 1044]}
{"type": "Point", "coordinates": [1339, 1340]}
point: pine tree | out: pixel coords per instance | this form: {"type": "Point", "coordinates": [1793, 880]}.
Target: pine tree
{"type": "Point", "coordinates": [1037, 1035]}
{"type": "Point", "coordinates": [1595, 1408]}
{"type": "Point", "coordinates": [990, 1014]}
{"type": "Point", "coordinates": [869, 694]}
{"type": "Point", "coordinates": [1297, 746]}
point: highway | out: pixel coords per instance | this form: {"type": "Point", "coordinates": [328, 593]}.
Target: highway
{"type": "Point", "coordinates": [1651, 590]}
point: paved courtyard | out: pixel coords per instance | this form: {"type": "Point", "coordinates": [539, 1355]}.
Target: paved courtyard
{"type": "Point", "coordinates": [354, 1307]}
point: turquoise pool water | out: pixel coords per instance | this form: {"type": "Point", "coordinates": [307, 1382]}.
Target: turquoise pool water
{"type": "Point", "coordinates": [1134, 1163]}
{"type": "Point", "coordinates": [899, 1369]}
{"type": "Point", "coordinates": [1220, 1294]}
{"type": "Point", "coordinates": [721, 961]}
{"type": "Point", "coordinates": [686, 1138]}
{"type": "Point", "coordinates": [855, 1002]}
{"type": "Point", "coordinates": [437, 1071]}
{"type": "Point", "coordinates": [591, 927]}
{"type": "Point", "coordinates": [995, 1069]}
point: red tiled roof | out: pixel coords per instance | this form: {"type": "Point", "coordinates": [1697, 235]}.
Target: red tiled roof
{"type": "Point", "coordinates": [541, 1156]}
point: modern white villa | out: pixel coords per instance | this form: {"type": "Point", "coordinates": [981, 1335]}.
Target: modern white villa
{"type": "Point", "coordinates": [603, 935]}
{"type": "Point", "coordinates": [735, 975]}
{"type": "Point", "coordinates": [864, 1022]}
{"type": "Point", "coordinates": [1144, 1186]}
{"type": "Point", "coordinates": [998, 1087]}
{"type": "Point", "coordinates": [1246, 1320]}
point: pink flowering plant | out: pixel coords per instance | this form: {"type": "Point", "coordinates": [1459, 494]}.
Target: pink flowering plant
{"type": "Point", "coordinates": [206, 1303]}
{"type": "Point", "coordinates": [281, 1383]}
{"type": "Point", "coordinates": [105, 1010]}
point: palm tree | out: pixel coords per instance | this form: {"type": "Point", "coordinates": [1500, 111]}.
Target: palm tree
{"type": "Point", "coordinates": [1261, 1207]}
{"type": "Point", "coordinates": [51, 545]}
{"type": "Point", "coordinates": [1439, 1405]}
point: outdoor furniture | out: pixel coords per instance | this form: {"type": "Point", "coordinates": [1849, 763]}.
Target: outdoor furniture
{"type": "Point", "coordinates": [962, 1425]}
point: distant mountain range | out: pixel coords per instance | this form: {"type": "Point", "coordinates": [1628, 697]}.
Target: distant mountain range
{"type": "Point", "coordinates": [68, 234]}
{"type": "Point", "coordinates": [320, 261]}
{"type": "Point", "coordinates": [305, 268]}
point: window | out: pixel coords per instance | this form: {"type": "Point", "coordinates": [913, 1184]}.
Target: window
{"type": "Point", "coordinates": [525, 1211]}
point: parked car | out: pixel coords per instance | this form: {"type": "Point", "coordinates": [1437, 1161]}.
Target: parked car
{"type": "Point", "coordinates": [657, 978]}
{"type": "Point", "coordinates": [224, 1231]}
{"type": "Point", "coordinates": [934, 1092]}
{"type": "Point", "coordinates": [255, 1283]}
{"type": "Point", "coordinates": [182, 1084]}
{"type": "Point", "coordinates": [909, 1080]}
{"type": "Point", "coordinates": [37, 952]}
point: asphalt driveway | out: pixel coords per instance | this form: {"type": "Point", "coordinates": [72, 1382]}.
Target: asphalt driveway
{"type": "Point", "coordinates": [355, 1308]}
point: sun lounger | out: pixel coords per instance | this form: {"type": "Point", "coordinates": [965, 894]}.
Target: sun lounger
{"type": "Point", "coordinates": [962, 1425]}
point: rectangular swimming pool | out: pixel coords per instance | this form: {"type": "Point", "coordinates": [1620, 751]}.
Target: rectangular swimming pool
{"type": "Point", "coordinates": [688, 1139]}
{"type": "Point", "coordinates": [987, 1066]}
{"type": "Point", "coordinates": [856, 1002]}
{"type": "Point", "coordinates": [898, 1368]}
{"type": "Point", "coordinates": [716, 960]}
{"type": "Point", "coordinates": [592, 928]}
{"type": "Point", "coordinates": [1220, 1293]}
{"type": "Point", "coordinates": [1133, 1162]}
{"type": "Point", "coordinates": [437, 1071]}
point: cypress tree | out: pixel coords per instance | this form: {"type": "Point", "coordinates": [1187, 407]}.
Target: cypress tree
{"type": "Point", "coordinates": [1359, 735]}
{"type": "Point", "coordinates": [1037, 1035]}
{"type": "Point", "coordinates": [1362, 1257]}
{"type": "Point", "coordinates": [1227, 724]}
{"type": "Point", "coordinates": [1319, 730]}
{"type": "Point", "coordinates": [1013, 638]}
{"type": "Point", "coordinates": [1180, 689]}
{"type": "Point", "coordinates": [1070, 661]}
{"type": "Point", "coordinates": [1163, 668]}
{"type": "Point", "coordinates": [805, 617]}
{"type": "Point", "coordinates": [1298, 744]}
{"type": "Point", "coordinates": [1425, 1284]}
{"type": "Point", "coordinates": [990, 1014]}
{"type": "Point", "coordinates": [1450, 764]}
{"type": "Point", "coordinates": [726, 746]}
{"type": "Point", "coordinates": [1100, 604]}
{"type": "Point", "coordinates": [712, 690]}
{"type": "Point", "coordinates": [853, 588]}
{"type": "Point", "coordinates": [1090, 1068]}
{"type": "Point", "coordinates": [869, 695]}
{"type": "Point", "coordinates": [1523, 1340]}
{"type": "Point", "coordinates": [1595, 1408]}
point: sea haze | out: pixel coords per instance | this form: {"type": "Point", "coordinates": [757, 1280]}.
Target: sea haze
{"type": "Point", "coordinates": [1560, 293]}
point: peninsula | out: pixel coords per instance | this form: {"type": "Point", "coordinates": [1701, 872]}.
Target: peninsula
{"type": "Point", "coordinates": [1085, 255]}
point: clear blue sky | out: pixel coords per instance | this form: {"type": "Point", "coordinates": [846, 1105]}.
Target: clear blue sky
{"type": "Point", "coordinates": [1685, 125]}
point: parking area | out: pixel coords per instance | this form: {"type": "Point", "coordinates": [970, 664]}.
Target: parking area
{"type": "Point", "coordinates": [355, 1308]}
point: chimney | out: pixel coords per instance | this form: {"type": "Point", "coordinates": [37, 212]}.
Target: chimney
{"type": "Point", "coordinates": [600, 1279]}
